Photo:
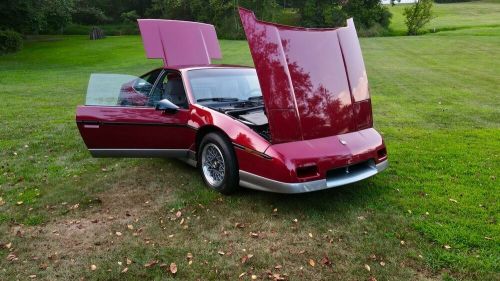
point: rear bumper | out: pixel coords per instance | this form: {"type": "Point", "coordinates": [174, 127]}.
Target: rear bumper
{"type": "Point", "coordinates": [362, 172]}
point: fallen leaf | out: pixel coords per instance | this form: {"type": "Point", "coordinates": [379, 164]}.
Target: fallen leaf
{"type": "Point", "coordinates": [12, 257]}
{"type": "Point", "coordinates": [129, 261]}
{"type": "Point", "coordinates": [173, 268]}
{"type": "Point", "coordinates": [382, 263]}
{"type": "Point", "coordinates": [239, 225]}
{"type": "Point", "coordinates": [120, 263]}
{"type": "Point", "coordinates": [402, 242]}
{"type": "Point", "coordinates": [241, 275]}
{"type": "Point", "coordinates": [245, 258]}
{"type": "Point", "coordinates": [361, 218]}
{"type": "Point", "coordinates": [221, 253]}
{"type": "Point", "coordinates": [178, 214]}
{"type": "Point", "coordinates": [118, 233]}
{"type": "Point", "coordinates": [254, 235]}
{"type": "Point", "coordinates": [254, 277]}
{"type": "Point", "coordinates": [151, 263]}
{"type": "Point", "coordinates": [182, 221]}
{"type": "Point", "coordinates": [278, 266]}
{"type": "Point", "coordinates": [488, 238]}
{"type": "Point", "coordinates": [372, 278]}
{"type": "Point", "coordinates": [275, 210]}
{"type": "Point", "coordinates": [312, 263]}
{"type": "Point", "coordinates": [93, 267]}
{"type": "Point", "coordinates": [453, 200]}
{"type": "Point", "coordinates": [326, 261]}
{"type": "Point", "coordinates": [189, 256]}
{"type": "Point", "coordinates": [190, 262]}
{"type": "Point", "coordinates": [125, 270]}
{"type": "Point", "coordinates": [367, 267]}
{"type": "Point", "coordinates": [278, 277]}
{"type": "Point", "coordinates": [295, 220]}
{"type": "Point", "coordinates": [19, 203]}
{"type": "Point", "coordinates": [427, 213]}
{"type": "Point", "coordinates": [310, 235]}
{"type": "Point", "coordinates": [447, 247]}
{"type": "Point", "coordinates": [33, 276]}
{"type": "Point", "coordinates": [1, 201]}
{"type": "Point", "coordinates": [131, 227]}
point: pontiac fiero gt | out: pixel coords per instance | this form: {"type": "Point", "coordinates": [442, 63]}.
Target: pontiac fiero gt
{"type": "Point", "coordinates": [300, 121]}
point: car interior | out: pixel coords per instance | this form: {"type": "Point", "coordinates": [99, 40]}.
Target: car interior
{"type": "Point", "coordinates": [169, 87]}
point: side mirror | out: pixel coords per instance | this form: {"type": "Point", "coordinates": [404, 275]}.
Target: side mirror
{"type": "Point", "coordinates": [167, 106]}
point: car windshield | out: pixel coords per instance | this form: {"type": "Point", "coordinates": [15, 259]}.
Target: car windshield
{"type": "Point", "coordinates": [224, 84]}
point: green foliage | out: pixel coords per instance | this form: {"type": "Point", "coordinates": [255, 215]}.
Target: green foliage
{"type": "Point", "coordinates": [417, 16]}
{"type": "Point", "coordinates": [222, 13]}
{"type": "Point", "coordinates": [10, 41]}
{"type": "Point", "coordinates": [89, 15]}
{"type": "Point", "coordinates": [327, 13]}
{"type": "Point", "coordinates": [57, 14]}
{"type": "Point", "coordinates": [34, 16]}
{"type": "Point", "coordinates": [130, 16]}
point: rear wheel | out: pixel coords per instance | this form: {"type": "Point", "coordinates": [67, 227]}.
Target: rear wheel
{"type": "Point", "coordinates": [218, 164]}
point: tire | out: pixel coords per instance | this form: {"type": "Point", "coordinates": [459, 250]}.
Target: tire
{"type": "Point", "coordinates": [222, 177]}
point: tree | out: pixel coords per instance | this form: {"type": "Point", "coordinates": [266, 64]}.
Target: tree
{"type": "Point", "coordinates": [418, 15]}
{"type": "Point", "coordinates": [332, 13]}
{"type": "Point", "coordinates": [33, 16]}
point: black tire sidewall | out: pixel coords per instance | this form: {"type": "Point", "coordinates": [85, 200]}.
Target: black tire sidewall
{"type": "Point", "coordinates": [231, 177]}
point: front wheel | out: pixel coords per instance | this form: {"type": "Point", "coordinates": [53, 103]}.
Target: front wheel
{"type": "Point", "coordinates": [218, 164]}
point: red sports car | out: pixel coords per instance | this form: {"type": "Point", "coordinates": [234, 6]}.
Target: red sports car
{"type": "Point", "coordinates": [300, 121]}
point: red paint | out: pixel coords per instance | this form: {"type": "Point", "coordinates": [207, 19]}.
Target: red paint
{"type": "Point", "coordinates": [316, 97]}
{"type": "Point", "coordinates": [304, 79]}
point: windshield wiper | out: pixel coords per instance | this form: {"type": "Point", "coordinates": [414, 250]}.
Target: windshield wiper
{"type": "Point", "coordinates": [218, 99]}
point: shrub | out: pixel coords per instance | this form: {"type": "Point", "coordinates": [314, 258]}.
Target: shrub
{"type": "Point", "coordinates": [10, 41]}
{"type": "Point", "coordinates": [417, 16]}
{"type": "Point", "coordinates": [129, 17]}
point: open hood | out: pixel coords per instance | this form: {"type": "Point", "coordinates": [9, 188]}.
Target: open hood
{"type": "Point", "coordinates": [313, 81]}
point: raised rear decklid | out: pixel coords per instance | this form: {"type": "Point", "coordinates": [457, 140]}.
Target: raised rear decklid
{"type": "Point", "coordinates": [179, 42]}
{"type": "Point", "coordinates": [313, 81]}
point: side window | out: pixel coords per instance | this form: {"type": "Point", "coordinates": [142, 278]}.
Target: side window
{"type": "Point", "coordinates": [136, 92]}
{"type": "Point", "coordinates": [169, 87]}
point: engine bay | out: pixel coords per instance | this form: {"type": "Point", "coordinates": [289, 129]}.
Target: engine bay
{"type": "Point", "coordinates": [252, 114]}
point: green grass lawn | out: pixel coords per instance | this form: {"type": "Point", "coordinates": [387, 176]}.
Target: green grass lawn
{"type": "Point", "coordinates": [452, 16]}
{"type": "Point", "coordinates": [435, 100]}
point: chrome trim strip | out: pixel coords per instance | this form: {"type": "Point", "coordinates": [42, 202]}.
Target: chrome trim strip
{"type": "Point", "coordinates": [140, 153]}
{"type": "Point", "coordinates": [253, 181]}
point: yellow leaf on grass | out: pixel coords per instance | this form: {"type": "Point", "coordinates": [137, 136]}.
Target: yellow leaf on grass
{"type": "Point", "coordinates": [173, 268]}
{"type": "Point", "coordinates": [312, 263]}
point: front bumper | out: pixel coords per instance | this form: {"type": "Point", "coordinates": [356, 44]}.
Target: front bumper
{"type": "Point", "coordinates": [361, 172]}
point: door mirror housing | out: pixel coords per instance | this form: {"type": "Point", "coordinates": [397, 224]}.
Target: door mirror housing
{"type": "Point", "coordinates": [166, 106]}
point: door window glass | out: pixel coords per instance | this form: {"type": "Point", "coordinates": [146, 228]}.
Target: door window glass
{"type": "Point", "coordinates": [120, 89]}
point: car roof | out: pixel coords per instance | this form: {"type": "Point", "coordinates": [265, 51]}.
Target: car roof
{"type": "Point", "coordinates": [204, 66]}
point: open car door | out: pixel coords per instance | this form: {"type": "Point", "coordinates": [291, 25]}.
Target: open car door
{"type": "Point", "coordinates": [119, 118]}
{"type": "Point", "coordinates": [312, 80]}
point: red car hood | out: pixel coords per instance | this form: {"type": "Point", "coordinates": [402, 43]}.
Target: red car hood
{"type": "Point", "coordinates": [313, 81]}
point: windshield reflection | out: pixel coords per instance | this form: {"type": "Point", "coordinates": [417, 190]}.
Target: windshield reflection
{"type": "Point", "coordinates": [224, 85]}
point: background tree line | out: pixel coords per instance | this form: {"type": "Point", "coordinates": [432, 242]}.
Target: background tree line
{"type": "Point", "coordinates": [75, 16]}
